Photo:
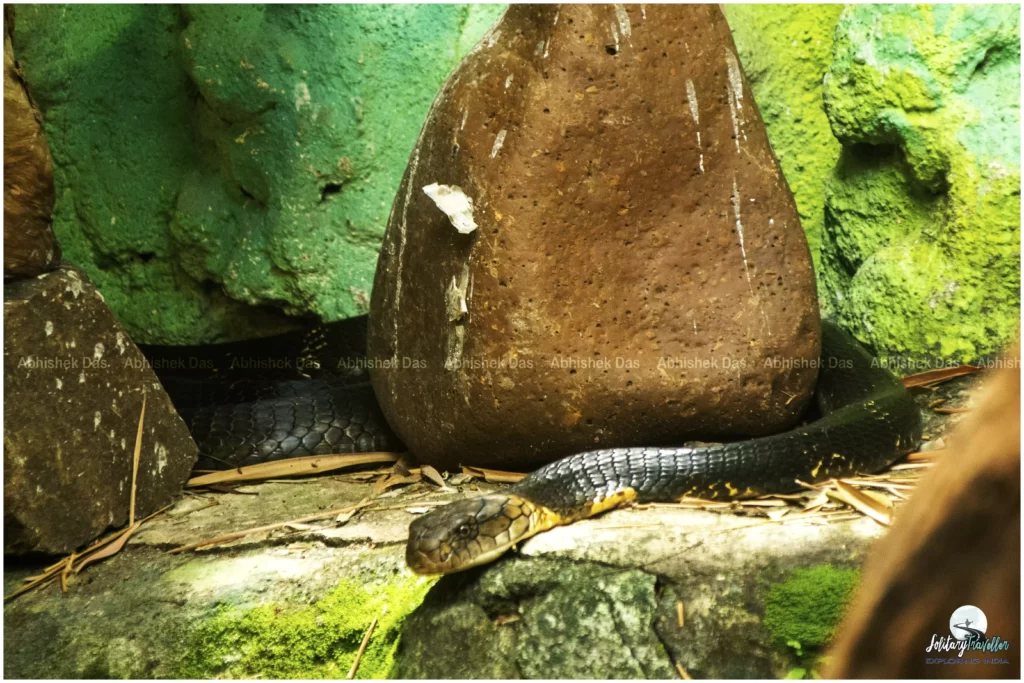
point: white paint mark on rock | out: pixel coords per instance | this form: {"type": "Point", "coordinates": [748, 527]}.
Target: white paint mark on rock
{"type": "Point", "coordinates": [455, 204]}
{"type": "Point", "coordinates": [161, 457]}
{"type": "Point", "coordinates": [98, 350]}
{"type": "Point", "coordinates": [81, 378]}
{"type": "Point", "coordinates": [498, 142]}
{"type": "Point", "coordinates": [615, 37]}
{"type": "Point", "coordinates": [465, 115]}
{"type": "Point", "coordinates": [119, 341]}
{"type": "Point", "coordinates": [60, 383]}
{"type": "Point", "coordinates": [739, 229]}
{"type": "Point", "coordinates": [96, 418]}
{"type": "Point", "coordinates": [643, 12]}
{"type": "Point", "coordinates": [302, 98]}
{"type": "Point", "coordinates": [75, 284]}
{"type": "Point", "coordinates": [508, 81]}
{"type": "Point", "coordinates": [691, 98]}
{"type": "Point", "coordinates": [735, 87]}
{"type": "Point", "coordinates": [623, 18]}
{"type": "Point", "coordinates": [457, 296]}
{"type": "Point", "coordinates": [48, 328]}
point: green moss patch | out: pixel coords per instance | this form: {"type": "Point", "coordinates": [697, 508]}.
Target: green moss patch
{"type": "Point", "coordinates": [319, 640]}
{"type": "Point", "coordinates": [803, 611]}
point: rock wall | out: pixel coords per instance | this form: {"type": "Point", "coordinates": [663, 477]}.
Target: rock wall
{"type": "Point", "coordinates": [218, 197]}
{"type": "Point", "coordinates": [212, 159]}
{"type": "Point", "coordinates": [785, 50]}
{"type": "Point", "coordinates": [921, 250]}
{"type": "Point", "coordinates": [911, 201]}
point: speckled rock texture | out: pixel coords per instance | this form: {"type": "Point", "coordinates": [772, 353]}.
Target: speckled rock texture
{"type": "Point", "coordinates": [73, 384]}
{"type": "Point", "coordinates": [284, 607]}
{"type": "Point", "coordinates": [921, 249]}
{"type": "Point", "coordinates": [785, 50]}
{"type": "Point", "coordinates": [636, 258]}
{"type": "Point", "coordinates": [595, 600]}
{"type": "Point", "coordinates": [635, 594]}
{"type": "Point", "coordinates": [30, 247]}
{"type": "Point", "coordinates": [219, 165]}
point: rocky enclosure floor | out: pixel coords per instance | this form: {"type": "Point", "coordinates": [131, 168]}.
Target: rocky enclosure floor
{"type": "Point", "coordinates": [656, 592]}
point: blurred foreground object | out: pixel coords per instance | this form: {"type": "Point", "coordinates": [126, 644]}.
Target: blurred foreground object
{"type": "Point", "coordinates": [955, 544]}
{"type": "Point", "coordinates": [30, 247]}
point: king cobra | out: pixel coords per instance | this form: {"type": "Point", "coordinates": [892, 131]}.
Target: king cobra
{"type": "Point", "coordinates": [867, 421]}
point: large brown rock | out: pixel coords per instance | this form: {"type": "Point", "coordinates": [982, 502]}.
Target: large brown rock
{"type": "Point", "coordinates": [636, 257]}
{"type": "Point", "coordinates": [73, 384]}
{"type": "Point", "coordinates": [30, 246]}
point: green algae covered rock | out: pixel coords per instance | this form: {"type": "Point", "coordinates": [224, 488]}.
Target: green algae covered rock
{"type": "Point", "coordinates": [804, 610]}
{"type": "Point", "coordinates": [319, 640]}
{"type": "Point", "coordinates": [209, 159]}
{"type": "Point", "coordinates": [920, 255]}
{"type": "Point", "coordinates": [785, 50]}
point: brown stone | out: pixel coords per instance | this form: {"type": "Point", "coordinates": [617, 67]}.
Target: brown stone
{"type": "Point", "coordinates": [631, 220]}
{"type": "Point", "coordinates": [73, 392]}
{"type": "Point", "coordinates": [30, 246]}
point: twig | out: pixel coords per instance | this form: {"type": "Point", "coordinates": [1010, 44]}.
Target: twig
{"type": "Point", "coordinates": [135, 460]}
{"type": "Point", "coordinates": [224, 538]}
{"type": "Point", "coordinates": [362, 649]}
{"type": "Point", "coordinates": [289, 467]}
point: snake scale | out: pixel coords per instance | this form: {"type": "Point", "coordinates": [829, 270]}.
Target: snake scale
{"type": "Point", "coordinates": [867, 421]}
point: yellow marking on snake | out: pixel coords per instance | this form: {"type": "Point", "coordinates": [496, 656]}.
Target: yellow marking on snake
{"type": "Point", "coordinates": [612, 501]}
{"type": "Point", "coordinates": [732, 489]}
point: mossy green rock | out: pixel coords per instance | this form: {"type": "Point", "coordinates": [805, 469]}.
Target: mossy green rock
{"type": "Point", "coordinates": [213, 158]}
{"type": "Point", "coordinates": [804, 610]}
{"type": "Point", "coordinates": [921, 254]}
{"type": "Point", "coordinates": [785, 50]}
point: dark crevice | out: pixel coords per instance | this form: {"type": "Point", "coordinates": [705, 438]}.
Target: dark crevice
{"type": "Point", "coordinates": [329, 190]}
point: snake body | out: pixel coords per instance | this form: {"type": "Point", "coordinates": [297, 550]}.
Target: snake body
{"type": "Point", "coordinates": [867, 421]}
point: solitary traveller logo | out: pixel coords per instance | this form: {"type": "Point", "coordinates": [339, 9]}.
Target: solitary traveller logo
{"type": "Point", "coordinates": [968, 627]}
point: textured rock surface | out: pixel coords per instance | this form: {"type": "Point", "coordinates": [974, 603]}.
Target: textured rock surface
{"type": "Point", "coordinates": [268, 609]}
{"type": "Point", "coordinates": [253, 159]}
{"type": "Point", "coordinates": [637, 257]}
{"type": "Point", "coordinates": [73, 383]}
{"type": "Point", "coordinates": [626, 572]}
{"type": "Point", "coordinates": [785, 50]}
{"type": "Point", "coordinates": [30, 247]}
{"type": "Point", "coordinates": [921, 252]}
{"type": "Point", "coordinates": [597, 599]}
{"type": "Point", "coordinates": [296, 602]}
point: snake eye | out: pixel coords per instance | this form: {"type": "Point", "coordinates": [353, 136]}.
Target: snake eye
{"type": "Point", "coordinates": [463, 530]}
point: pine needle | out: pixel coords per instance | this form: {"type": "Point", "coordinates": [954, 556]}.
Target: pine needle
{"type": "Point", "coordinates": [362, 649]}
{"type": "Point", "coordinates": [135, 460]}
{"type": "Point", "coordinates": [292, 467]}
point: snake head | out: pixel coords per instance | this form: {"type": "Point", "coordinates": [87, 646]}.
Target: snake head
{"type": "Point", "coordinates": [470, 532]}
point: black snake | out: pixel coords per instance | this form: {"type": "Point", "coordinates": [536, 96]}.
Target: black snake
{"type": "Point", "coordinates": [867, 421]}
